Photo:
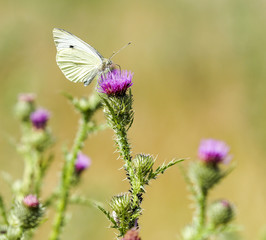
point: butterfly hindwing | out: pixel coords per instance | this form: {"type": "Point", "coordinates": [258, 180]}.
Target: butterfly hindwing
{"type": "Point", "coordinates": [77, 65]}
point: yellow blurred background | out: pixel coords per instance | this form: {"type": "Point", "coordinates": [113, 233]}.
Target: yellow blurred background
{"type": "Point", "coordinates": [199, 72]}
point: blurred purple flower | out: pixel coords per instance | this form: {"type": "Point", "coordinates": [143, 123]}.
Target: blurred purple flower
{"type": "Point", "coordinates": [115, 83]}
{"type": "Point", "coordinates": [82, 163]}
{"type": "Point", "coordinates": [39, 118]}
{"type": "Point", "coordinates": [213, 151]}
{"type": "Point", "coordinates": [26, 97]}
{"type": "Point", "coordinates": [31, 201]}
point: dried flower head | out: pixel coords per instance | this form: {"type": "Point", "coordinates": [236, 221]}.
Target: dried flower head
{"type": "Point", "coordinates": [82, 163]}
{"type": "Point", "coordinates": [31, 201]}
{"type": "Point", "coordinates": [132, 234]}
{"type": "Point", "coordinates": [213, 151]}
{"type": "Point", "coordinates": [115, 83]}
{"type": "Point", "coordinates": [39, 118]}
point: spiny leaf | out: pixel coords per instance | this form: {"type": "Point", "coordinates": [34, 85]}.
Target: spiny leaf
{"type": "Point", "coordinates": [107, 214]}
{"type": "Point", "coordinates": [161, 169]}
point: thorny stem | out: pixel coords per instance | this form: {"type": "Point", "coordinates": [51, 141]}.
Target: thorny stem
{"type": "Point", "coordinates": [66, 179]}
{"type": "Point", "coordinates": [123, 144]}
{"type": "Point", "coordinates": [200, 211]}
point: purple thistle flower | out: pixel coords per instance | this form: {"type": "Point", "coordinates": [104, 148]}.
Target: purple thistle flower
{"type": "Point", "coordinates": [213, 151]}
{"type": "Point", "coordinates": [115, 83]}
{"type": "Point", "coordinates": [82, 163]}
{"type": "Point", "coordinates": [31, 201]}
{"type": "Point", "coordinates": [39, 118]}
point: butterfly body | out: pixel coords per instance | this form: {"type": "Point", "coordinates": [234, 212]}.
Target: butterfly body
{"type": "Point", "coordinates": [78, 61]}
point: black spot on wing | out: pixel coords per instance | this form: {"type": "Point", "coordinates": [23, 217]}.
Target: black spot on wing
{"type": "Point", "coordinates": [71, 46]}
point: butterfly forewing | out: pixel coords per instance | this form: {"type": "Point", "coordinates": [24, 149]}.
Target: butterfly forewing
{"type": "Point", "coordinates": [77, 60]}
{"type": "Point", "coordinates": [64, 39]}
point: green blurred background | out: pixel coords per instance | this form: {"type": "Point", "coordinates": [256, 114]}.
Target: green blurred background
{"type": "Point", "coordinates": [199, 71]}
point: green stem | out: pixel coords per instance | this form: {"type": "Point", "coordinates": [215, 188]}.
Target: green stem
{"type": "Point", "coordinates": [41, 167]}
{"type": "Point", "coordinates": [67, 178]}
{"type": "Point", "coordinates": [38, 181]}
{"type": "Point", "coordinates": [201, 212]}
{"type": "Point", "coordinates": [37, 174]}
{"type": "Point", "coordinates": [28, 174]}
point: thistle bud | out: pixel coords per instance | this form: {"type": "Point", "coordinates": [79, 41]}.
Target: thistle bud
{"type": "Point", "coordinates": [142, 165]}
{"type": "Point", "coordinates": [220, 212]}
{"type": "Point", "coordinates": [39, 140]}
{"type": "Point", "coordinates": [25, 106]}
{"type": "Point", "coordinates": [121, 207]}
{"type": "Point", "coordinates": [120, 203]}
{"type": "Point", "coordinates": [28, 212]}
{"type": "Point", "coordinates": [189, 233]}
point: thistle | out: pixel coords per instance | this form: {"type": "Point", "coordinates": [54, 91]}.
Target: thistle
{"type": "Point", "coordinates": [117, 101]}
{"type": "Point", "coordinates": [25, 215]}
{"type": "Point", "coordinates": [75, 162]}
{"type": "Point", "coordinates": [202, 176]}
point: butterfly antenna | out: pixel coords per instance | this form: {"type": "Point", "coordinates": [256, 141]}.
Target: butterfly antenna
{"type": "Point", "coordinates": [114, 53]}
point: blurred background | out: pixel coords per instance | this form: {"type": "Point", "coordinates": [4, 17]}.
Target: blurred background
{"type": "Point", "coordinates": [199, 72]}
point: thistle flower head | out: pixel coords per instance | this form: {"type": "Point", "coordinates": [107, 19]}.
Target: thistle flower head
{"type": "Point", "coordinates": [213, 151]}
{"type": "Point", "coordinates": [39, 118]}
{"type": "Point", "coordinates": [82, 163]}
{"type": "Point", "coordinates": [31, 201]}
{"type": "Point", "coordinates": [27, 212]}
{"type": "Point", "coordinates": [115, 83]}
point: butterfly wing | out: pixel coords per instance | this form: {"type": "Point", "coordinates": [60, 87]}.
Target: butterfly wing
{"type": "Point", "coordinates": [77, 60]}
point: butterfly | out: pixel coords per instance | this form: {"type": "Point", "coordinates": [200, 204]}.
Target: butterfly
{"type": "Point", "coordinates": [78, 61]}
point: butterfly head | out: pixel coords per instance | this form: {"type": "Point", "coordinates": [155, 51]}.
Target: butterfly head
{"type": "Point", "coordinates": [106, 64]}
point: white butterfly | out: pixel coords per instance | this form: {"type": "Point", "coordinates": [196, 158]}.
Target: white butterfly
{"type": "Point", "coordinates": [79, 61]}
